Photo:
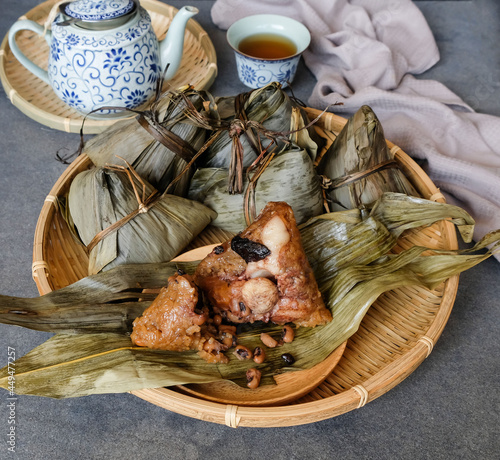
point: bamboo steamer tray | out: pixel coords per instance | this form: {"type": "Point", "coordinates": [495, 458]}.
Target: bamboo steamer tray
{"type": "Point", "coordinates": [37, 100]}
{"type": "Point", "coordinates": [396, 335]}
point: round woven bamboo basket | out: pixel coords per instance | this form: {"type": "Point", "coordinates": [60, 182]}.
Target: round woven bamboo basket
{"type": "Point", "coordinates": [396, 335]}
{"type": "Point", "coordinates": [38, 101]}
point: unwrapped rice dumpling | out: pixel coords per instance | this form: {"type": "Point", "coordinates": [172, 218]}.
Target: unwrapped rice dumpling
{"type": "Point", "coordinates": [263, 274]}
{"type": "Point", "coordinates": [172, 323]}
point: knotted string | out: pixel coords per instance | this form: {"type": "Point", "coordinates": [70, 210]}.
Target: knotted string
{"type": "Point", "coordinates": [149, 119]}
{"type": "Point", "coordinates": [144, 204]}
{"type": "Point", "coordinates": [329, 184]}
{"type": "Point", "coordinates": [209, 120]}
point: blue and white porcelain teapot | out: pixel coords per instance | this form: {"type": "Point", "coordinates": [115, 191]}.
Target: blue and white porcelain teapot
{"type": "Point", "coordinates": [105, 53]}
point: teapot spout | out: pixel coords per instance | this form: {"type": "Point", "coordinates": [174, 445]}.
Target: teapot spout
{"type": "Point", "coordinates": [172, 45]}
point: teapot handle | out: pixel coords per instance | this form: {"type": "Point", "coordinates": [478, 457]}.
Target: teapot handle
{"type": "Point", "coordinates": [26, 24]}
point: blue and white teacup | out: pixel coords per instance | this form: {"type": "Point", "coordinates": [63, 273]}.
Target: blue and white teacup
{"type": "Point", "coordinates": [255, 71]}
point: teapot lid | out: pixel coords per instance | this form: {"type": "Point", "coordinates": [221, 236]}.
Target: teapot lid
{"type": "Point", "coordinates": [98, 14]}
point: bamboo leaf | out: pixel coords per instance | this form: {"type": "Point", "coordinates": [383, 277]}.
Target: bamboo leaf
{"type": "Point", "coordinates": [339, 239]}
{"type": "Point", "coordinates": [399, 212]}
{"type": "Point", "coordinates": [79, 365]}
{"type": "Point", "coordinates": [308, 139]}
{"type": "Point", "coordinates": [361, 285]}
{"type": "Point", "coordinates": [290, 177]}
{"type": "Point", "coordinates": [106, 302]}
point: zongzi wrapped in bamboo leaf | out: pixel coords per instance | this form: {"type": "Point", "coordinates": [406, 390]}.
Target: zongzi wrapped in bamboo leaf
{"type": "Point", "coordinates": [101, 197]}
{"type": "Point", "coordinates": [359, 167]}
{"type": "Point", "coordinates": [157, 162]}
{"type": "Point", "coordinates": [290, 177]}
{"type": "Point", "coordinates": [270, 107]}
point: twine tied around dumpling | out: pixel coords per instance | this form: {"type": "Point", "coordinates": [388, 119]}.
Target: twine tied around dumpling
{"type": "Point", "coordinates": [144, 204]}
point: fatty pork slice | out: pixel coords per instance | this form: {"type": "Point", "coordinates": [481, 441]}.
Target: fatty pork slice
{"type": "Point", "coordinates": [263, 274]}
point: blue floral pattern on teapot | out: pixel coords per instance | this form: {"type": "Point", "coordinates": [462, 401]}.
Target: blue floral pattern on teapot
{"type": "Point", "coordinates": [116, 64]}
{"type": "Point", "coordinates": [117, 69]}
{"type": "Point", "coordinates": [92, 10]}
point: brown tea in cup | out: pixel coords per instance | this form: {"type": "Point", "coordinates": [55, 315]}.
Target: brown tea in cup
{"type": "Point", "coordinates": [267, 46]}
